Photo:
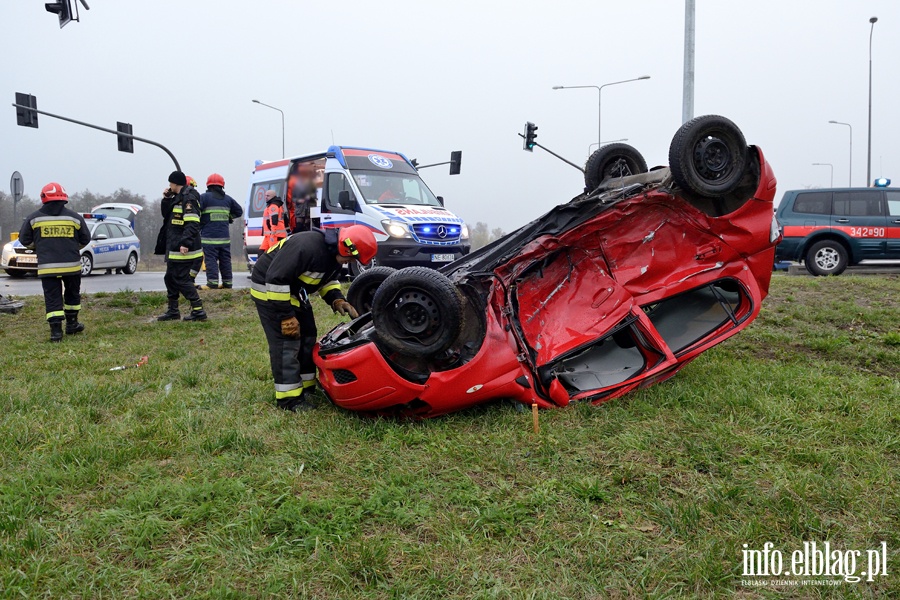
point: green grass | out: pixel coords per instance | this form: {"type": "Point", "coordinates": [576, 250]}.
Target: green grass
{"type": "Point", "coordinates": [180, 478]}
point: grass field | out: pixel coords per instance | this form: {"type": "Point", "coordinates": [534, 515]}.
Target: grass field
{"type": "Point", "coordinates": [180, 479]}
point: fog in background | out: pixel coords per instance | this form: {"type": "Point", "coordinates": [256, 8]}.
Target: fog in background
{"type": "Point", "coordinates": [425, 78]}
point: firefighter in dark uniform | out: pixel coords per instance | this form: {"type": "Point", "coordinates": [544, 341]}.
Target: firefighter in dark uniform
{"type": "Point", "coordinates": [283, 278]}
{"type": "Point", "coordinates": [58, 234]}
{"type": "Point", "coordinates": [217, 211]}
{"type": "Point", "coordinates": [182, 248]}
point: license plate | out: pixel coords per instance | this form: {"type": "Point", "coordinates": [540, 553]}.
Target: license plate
{"type": "Point", "coordinates": [441, 258]}
{"type": "Point", "coordinates": [26, 260]}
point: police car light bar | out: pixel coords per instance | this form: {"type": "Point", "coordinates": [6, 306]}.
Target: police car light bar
{"type": "Point", "coordinates": [97, 216]}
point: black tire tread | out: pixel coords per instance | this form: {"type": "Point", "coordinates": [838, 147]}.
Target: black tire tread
{"type": "Point", "coordinates": [595, 167]}
{"type": "Point", "coordinates": [681, 156]}
{"type": "Point", "coordinates": [360, 294]}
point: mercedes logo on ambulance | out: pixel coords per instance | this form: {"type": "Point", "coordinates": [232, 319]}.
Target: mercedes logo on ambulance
{"type": "Point", "coordinates": [442, 231]}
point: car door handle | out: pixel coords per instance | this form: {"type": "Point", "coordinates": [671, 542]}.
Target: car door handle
{"type": "Point", "coordinates": [843, 220]}
{"type": "Point", "coordinates": [896, 221]}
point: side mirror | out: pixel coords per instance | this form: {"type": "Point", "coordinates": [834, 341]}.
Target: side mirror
{"type": "Point", "coordinates": [441, 200]}
{"type": "Point", "coordinates": [344, 200]}
{"type": "Point", "coordinates": [101, 236]}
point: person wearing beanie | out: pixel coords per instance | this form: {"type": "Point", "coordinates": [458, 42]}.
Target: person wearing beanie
{"type": "Point", "coordinates": [182, 247]}
{"type": "Point", "coordinates": [58, 234]}
{"type": "Point", "coordinates": [217, 211]}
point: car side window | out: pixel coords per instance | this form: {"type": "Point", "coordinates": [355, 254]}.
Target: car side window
{"type": "Point", "coordinates": [335, 183]}
{"type": "Point", "coordinates": [858, 204]}
{"type": "Point", "coordinates": [813, 203]}
{"type": "Point", "coordinates": [102, 229]}
{"type": "Point", "coordinates": [121, 230]}
{"type": "Point", "coordinates": [893, 203]}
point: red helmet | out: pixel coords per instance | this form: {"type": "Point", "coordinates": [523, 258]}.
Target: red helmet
{"type": "Point", "coordinates": [53, 192]}
{"type": "Point", "coordinates": [191, 181]}
{"type": "Point", "coordinates": [357, 241]}
{"type": "Point", "coordinates": [215, 179]}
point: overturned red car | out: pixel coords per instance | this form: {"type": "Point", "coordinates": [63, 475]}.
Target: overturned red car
{"type": "Point", "coordinates": [617, 289]}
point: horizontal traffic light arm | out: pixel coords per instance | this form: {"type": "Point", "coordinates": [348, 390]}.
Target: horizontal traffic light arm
{"type": "Point", "coordinates": [568, 162]}
{"type": "Point", "coordinates": [112, 131]}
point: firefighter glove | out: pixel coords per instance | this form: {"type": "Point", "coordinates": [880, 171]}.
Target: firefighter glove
{"type": "Point", "coordinates": [290, 328]}
{"type": "Point", "coordinates": [345, 308]}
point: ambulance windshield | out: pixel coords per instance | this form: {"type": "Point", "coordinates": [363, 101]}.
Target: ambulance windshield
{"type": "Point", "coordinates": [393, 188]}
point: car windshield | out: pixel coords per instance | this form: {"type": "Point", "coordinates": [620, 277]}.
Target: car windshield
{"type": "Point", "coordinates": [393, 188]}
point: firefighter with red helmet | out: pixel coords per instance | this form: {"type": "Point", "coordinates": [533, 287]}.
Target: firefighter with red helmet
{"type": "Point", "coordinates": [217, 211]}
{"type": "Point", "coordinates": [282, 279]}
{"type": "Point", "coordinates": [58, 234]}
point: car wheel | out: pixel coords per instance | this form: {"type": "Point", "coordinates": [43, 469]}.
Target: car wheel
{"type": "Point", "coordinates": [87, 265]}
{"type": "Point", "coordinates": [612, 161]}
{"type": "Point", "coordinates": [827, 257]}
{"type": "Point", "coordinates": [708, 156]}
{"type": "Point", "coordinates": [417, 311]}
{"type": "Point", "coordinates": [131, 266]}
{"type": "Point", "coordinates": [355, 268]}
{"type": "Point", "coordinates": [361, 293]}
{"type": "Point", "coordinates": [16, 273]}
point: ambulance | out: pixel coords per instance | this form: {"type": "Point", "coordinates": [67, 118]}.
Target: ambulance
{"type": "Point", "coordinates": [379, 189]}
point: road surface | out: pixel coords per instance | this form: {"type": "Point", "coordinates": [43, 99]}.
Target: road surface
{"type": "Point", "coordinates": [151, 281]}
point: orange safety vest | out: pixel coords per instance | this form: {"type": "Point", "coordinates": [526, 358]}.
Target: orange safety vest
{"type": "Point", "coordinates": [272, 235]}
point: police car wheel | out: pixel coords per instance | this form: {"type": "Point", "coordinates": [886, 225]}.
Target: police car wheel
{"type": "Point", "coordinates": [16, 273]}
{"type": "Point", "coordinates": [827, 257]}
{"type": "Point", "coordinates": [610, 162]}
{"type": "Point", "coordinates": [361, 293]}
{"type": "Point", "coordinates": [708, 156]}
{"type": "Point", "coordinates": [417, 312]}
{"type": "Point", "coordinates": [87, 265]}
{"type": "Point", "coordinates": [131, 266]}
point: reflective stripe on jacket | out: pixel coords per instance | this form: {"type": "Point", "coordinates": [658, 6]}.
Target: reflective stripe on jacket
{"type": "Point", "coordinates": [274, 228]}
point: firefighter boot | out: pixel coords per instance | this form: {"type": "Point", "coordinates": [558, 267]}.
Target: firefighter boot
{"type": "Point", "coordinates": [56, 331]}
{"type": "Point", "coordinates": [72, 324]}
{"type": "Point", "coordinates": [170, 315]}
{"type": "Point", "coordinates": [301, 403]}
{"type": "Point", "coordinates": [197, 313]}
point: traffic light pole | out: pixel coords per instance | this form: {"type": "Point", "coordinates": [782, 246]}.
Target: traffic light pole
{"type": "Point", "coordinates": [568, 162]}
{"type": "Point", "coordinates": [113, 131]}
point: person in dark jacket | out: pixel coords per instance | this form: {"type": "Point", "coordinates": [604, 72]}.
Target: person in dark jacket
{"type": "Point", "coordinates": [217, 211]}
{"type": "Point", "coordinates": [282, 279]}
{"type": "Point", "coordinates": [58, 234]}
{"type": "Point", "coordinates": [182, 229]}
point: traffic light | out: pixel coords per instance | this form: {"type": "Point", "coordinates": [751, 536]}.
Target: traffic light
{"type": "Point", "coordinates": [530, 129]}
{"type": "Point", "coordinates": [63, 9]}
{"type": "Point", "coordinates": [126, 144]}
{"type": "Point", "coordinates": [455, 162]}
{"type": "Point", "coordinates": [25, 117]}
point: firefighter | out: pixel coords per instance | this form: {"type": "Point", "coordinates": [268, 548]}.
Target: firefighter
{"type": "Point", "coordinates": [274, 226]}
{"type": "Point", "coordinates": [217, 211]}
{"type": "Point", "coordinates": [58, 234]}
{"type": "Point", "coordinates": [182, 248]}
{"type": "Point", "coordinates": [197, 263]}
{"type": "Point", "coordinates": [283, 278]}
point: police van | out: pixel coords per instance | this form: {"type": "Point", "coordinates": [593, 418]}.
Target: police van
{"type": "Point", "coordinates": [379, 189]}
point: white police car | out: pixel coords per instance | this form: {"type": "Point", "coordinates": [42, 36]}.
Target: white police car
{"type": "Point", "coordinates": [113, 245]}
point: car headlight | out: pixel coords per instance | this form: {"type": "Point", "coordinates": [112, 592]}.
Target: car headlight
{"type": "Point", "coordinates": [396, 228]}
{"type": "Point", "coordinates": [7, 252]}
{"type": "Point", "coordinates": [464, 232]}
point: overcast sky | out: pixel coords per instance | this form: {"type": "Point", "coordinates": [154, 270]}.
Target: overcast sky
{"type": "Point", "coordinates": [427, 77]}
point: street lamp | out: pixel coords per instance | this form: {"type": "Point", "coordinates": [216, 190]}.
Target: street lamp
{"type": "Point", "coordinates": [850, 176]}
{"type": "Point", "coordinates": [869, 161]}
{"type": "Point", "coordinates": [282, 124]}
{"type": "Point", "coordinates": [599, 89]}
{"type": "Point", "coordinates": [832, 170]}
{"type": "Point", "coordinates": [606, 142]}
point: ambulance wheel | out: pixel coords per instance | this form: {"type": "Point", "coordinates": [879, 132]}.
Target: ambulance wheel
{"type": "Point", "coordinates": [87, 265]}
{"type": "Point", "coordinates": [361, 293]}
{"type": "Point", "coordinates": [708, 156]}
{"type": "Point", "coordinates": [417, 312]}
{"type": "Point", "coordinates": [356, 269]}
{"type": "Point", "coordinates": [612, 161]}
{"type": "Point", "coordinates": [131, 266]}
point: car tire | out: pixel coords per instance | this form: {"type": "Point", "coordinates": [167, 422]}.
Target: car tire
{"type": "Point", "coordinates": [361, 293]}
{"type": "Point", "coordinates": [131, 266]}
{"type": "Point", "coordinates": [827, 257]}
{"type": "Point", "coordinates": [417, 312]}
{"type": "Point", "coordinates": [16, 273]}
{"type": "Point", "coordinates": [612, 161]}
{"type": "Point", "coordinates": [357, 269]}
{"type": "Point", "coordinates": [708, 156]}
{"type": "Point", "coordinates": [87, 265]}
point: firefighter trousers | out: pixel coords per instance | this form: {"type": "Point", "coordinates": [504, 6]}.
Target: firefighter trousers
{"type": "Point", "coordinates": [62, 295]}
{"type": "Point", "coordinates": [218, 256]}
{"type": "Point", "coordinates": [178, 281]}
{"type": "Point", "coordinates": [292, 359]}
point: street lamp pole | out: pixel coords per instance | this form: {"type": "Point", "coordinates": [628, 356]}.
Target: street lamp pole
{"type": "Point", "coordinates": [850, 176]}
{"type": "Point", "coordinates": [599, 89]}
{"type": "Point", "coordinates": [869, 160]}
{"type": "Point", "coordinates": [832, 170]}
{"type": "Point", "coordinates": [282, 124]}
